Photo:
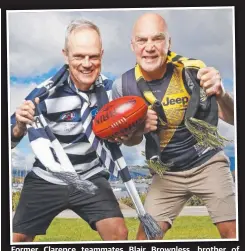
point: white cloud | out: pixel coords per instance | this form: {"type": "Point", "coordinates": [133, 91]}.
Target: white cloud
{"type": "Point", "coordinates": [30, 160]}
{"type": "Point", "coordinates": [18, 93]}
{"type": "Point", "coordinates": [21, 160]}
{"type": "Point", "coordinates": [36, 39]}
{"type": "Point", "coordinates": [132, 154]}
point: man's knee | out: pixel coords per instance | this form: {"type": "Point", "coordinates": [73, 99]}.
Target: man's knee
{"type": "Point", "coordinates": [165, 226]}
{"type": "Point", "coordinates": [227, 229]}
{"type": "Point", "coordinates": [228, 233]}
{"type": "Point", "coordinates": [112, 229]}
{"type": "Point", "coordinates": [121, 232]}
{"type": "Point", "coordinates": [17, 237]}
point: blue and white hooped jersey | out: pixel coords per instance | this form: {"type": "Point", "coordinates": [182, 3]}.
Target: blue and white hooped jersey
{"type": "Point", "coordinates": [62, 111]}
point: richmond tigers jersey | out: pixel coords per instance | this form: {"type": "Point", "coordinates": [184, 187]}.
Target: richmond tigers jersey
{"type": "Point", "coordinates": [178, 145]}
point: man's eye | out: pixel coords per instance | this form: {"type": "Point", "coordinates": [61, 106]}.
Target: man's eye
{"type": "Point", "coordinates": [94, 57]}
{"type": "Point", "coordinates": [159, 39]}
{"type": "Point", "coordinates": [78, 57]}
{"type": "Point", "coordinates": [141, 41]}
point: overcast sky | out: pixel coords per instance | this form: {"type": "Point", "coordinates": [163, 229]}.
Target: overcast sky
{"type": "Point", "coordinates": [36, 39]}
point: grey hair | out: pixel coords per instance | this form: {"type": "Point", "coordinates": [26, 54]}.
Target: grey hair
{"type": "Point", "coordinates": [80, 24]}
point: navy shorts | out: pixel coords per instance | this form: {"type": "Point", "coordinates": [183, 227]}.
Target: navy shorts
{"type": "Point", "coordinates": [41, 201]}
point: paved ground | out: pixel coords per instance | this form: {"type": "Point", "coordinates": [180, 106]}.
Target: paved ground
{"type": "Point", "coordinates": [187, 211]}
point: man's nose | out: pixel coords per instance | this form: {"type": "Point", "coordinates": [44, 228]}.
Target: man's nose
{"type": "Point", "coordinates": [86, 62]}
{"type": "Point", "coordinates": [150, 46]}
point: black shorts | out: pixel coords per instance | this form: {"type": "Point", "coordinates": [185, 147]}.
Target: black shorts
{"type": "Point", "coordinates": [41, 201]}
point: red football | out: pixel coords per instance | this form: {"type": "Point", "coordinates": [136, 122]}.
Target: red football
{"type": "Point", "coordinates": [120, 117]}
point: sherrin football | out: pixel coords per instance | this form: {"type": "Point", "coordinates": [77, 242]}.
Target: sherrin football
{"type": "Point", "coordinates": [120, 117]}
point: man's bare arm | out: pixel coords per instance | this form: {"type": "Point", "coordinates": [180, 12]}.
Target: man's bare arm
{"type": "Point", "coordinates": [211, 83]}
{"type": "Point", "coordinates": [226, 108]}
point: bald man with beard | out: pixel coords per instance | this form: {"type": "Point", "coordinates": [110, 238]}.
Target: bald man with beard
{"type": "Point", "coordinates": [194, 170]}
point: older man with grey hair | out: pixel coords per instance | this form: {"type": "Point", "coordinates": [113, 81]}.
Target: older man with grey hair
{"type": "Point", "coordinates": [43, 195]}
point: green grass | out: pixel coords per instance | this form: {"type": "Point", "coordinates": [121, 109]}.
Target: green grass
{"type": "Point", "coordinates": [184, 227]}
{"type": "Point", "coordinates": [193, 227]}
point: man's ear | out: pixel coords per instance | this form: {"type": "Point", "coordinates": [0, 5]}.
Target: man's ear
{"type": "Point", "coordinates": [169, 46]}
{"type": "Point", "coordinates": [132, 45]}
{"type": "Point", "coordinates": [65, 54]}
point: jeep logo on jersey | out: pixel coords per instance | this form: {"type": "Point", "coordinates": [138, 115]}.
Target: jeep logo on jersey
{"type": "Point", "coordinates": [68, 116]}
{"type": "Point", "coordinates": [174, 101]}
